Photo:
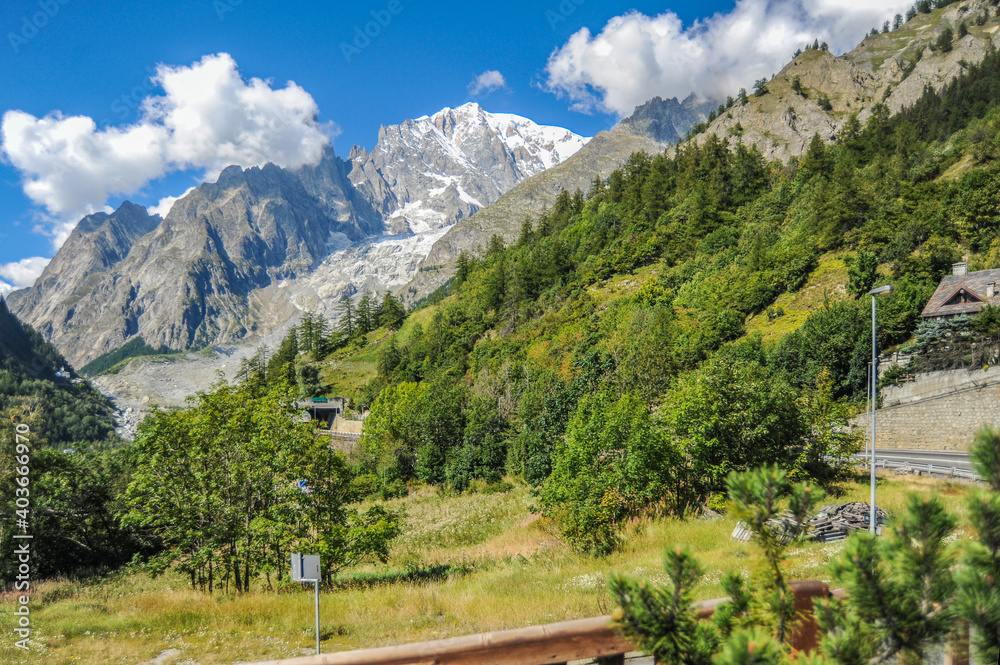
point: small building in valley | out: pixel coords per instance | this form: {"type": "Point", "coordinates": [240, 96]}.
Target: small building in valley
{"type": "Point", "coordinates": [963, 292]}
{"type": "Point", "coordinates": [323, 409]}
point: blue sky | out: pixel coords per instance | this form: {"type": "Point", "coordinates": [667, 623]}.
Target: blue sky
{"type": "Point", "coordinates": [95, 59]}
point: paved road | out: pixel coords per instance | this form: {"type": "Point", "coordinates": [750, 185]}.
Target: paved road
{"type": "Point", "coordinates": [938, 462]}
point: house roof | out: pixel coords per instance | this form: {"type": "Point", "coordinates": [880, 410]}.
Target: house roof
{"type": "Point", "coordinates": [974, 283]}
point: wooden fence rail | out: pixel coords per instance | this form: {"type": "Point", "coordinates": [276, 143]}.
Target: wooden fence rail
{"type": "Point", "coordinates": [548, 644]}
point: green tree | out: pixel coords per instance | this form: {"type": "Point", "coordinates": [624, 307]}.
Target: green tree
{"type": "Point", "coordinates": [749, 627]}
{"type": "Point", "coordinates": [348, 318]}
{"type": "Point", "coordinates": [900, 589]}
{"type": "Point", "coordinates": [979, 578]}
{"type": "Point", "coordinates": [366, 314]}
{"type": "Point", "coordinates": [945, 40]}
{"type": "Point", "coordinates": [616, 463]}
{"type": "Point", "coordinates": [219, 485]}
{"type": "Point", "coordinates": [734, 416]}
{"type": "Point", "coordinates": [391, 312]}
{"type": "Point", "coordinates": [390, 437]}
{"type": "Point", "coordinates": [861, 273]}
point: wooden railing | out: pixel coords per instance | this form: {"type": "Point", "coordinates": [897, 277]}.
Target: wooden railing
{"type": "Point", "coordinates": [547, 644]}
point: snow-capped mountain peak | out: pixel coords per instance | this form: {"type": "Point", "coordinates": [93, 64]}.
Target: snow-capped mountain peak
{"type": "Point", "coordinates": [427, 173]}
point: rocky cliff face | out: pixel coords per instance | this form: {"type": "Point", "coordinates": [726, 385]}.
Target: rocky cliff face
{"type": "Point", "coordinates": [190, 279]}
{"type": "Point", "coordinates": [668, 120]}
{"type": "Point", "coordinates": [97, 244]}
{"type": "Point", "coordinates": [891, 68]}
{"type": "Point", "coordinates": [248, 252]}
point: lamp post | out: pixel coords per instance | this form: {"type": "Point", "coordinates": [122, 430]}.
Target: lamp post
{"type": "Point", "coordinates": [887, 289]}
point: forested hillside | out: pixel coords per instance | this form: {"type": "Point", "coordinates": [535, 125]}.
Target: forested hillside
{"type": "Point", "coordinates": [614, 331]}
{"type": "Point", "coordinates": [67, 412]}
{"type": "Point", "coordinates": [77, 467]}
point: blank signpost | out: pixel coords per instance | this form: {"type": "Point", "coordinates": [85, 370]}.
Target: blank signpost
{"type": "Point", "coordinates": [305, 568]}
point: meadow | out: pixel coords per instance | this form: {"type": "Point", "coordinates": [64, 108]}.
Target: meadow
{"type": "Point", "coordinates": [466, 563]}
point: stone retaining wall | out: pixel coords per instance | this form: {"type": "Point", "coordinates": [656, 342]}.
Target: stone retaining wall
{"type": "Point", "coordinates": [938, 411]}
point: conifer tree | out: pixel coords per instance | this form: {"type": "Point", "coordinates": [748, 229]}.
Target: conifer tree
{"type": "Point", "coordinates": [348, 319]}
{"type": "Point", "coordinates": [527, 233]}
{"type": "Point", "coordinates": [979, 579]}
{"type": "Point", "coordinates": [945, 40]}
{"type": "Point", "coordinates": [391, 312]}
{"type": "Point", "coordinates": [365, 314]}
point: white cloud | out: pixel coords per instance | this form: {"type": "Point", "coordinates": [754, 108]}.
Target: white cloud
{"type": "Point", "coordinates": [713, 57]}
{"type": "Point", "coordinates": [487, 82]}
{"type": "Point", "coordinates": [21, 274]}
{"type": "Point", "coordinates": [167, 202]}
{"type": "Point", "coordinates": [208, 118]}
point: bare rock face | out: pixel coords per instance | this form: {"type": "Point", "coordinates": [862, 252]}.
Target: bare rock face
{"type": "Point", "coordinates": [189, 280]}
{"type": "Point", "coordinates": [668, 120]}
{"type": "Point", "coordinates": [236, 259]}
{"type": "Point", "coordinates": [891, 68]}
{"type": "Point", "coordinates": [97, 244]}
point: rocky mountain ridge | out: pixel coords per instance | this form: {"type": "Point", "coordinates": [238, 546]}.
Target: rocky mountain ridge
{"type": "Point", "coordinates": [890, 68]}
{"type": "Point", "coordinates": [249, 251]}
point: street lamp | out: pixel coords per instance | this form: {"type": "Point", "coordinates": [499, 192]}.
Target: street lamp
{"type": "Point", "coordinates": [887, 289]}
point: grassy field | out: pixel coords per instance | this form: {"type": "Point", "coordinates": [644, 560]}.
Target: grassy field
{"type": "Point", "coordinates": [466, 564]}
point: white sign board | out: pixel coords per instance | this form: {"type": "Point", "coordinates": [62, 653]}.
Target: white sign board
{"type": "Point", "coordinates": [305, 567]}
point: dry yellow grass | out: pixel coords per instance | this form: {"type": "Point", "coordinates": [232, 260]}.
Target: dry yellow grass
{"type": "Point", "coordinates": [487, 562]}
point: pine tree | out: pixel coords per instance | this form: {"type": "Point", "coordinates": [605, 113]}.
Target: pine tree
{"type": "Point", "coordinates": [462, 268]}
{"type": "Point", "coordinates": [306, 335]}
{"type": "Point", "coordinates": [319, 334]}
{"type": "Point", "coordinates": [897, 21]}
{"type": "Point", "coordinates": [348, 319]}
{"type": "Point", "coordinates": [945, 40]}
{"type": "Point", "coordinates": [900, 589]}
{"type": "Point", "coordinates": [391, 312]}
{"type": "Point", "coordinates": [527, 233]}
{"type": "Point", "coordinates": [365, 315]}
{"type": "Point", "coordinates": [979, 579]}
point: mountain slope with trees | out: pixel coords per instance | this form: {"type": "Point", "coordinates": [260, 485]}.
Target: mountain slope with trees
{"type": "Point", "coordinates": [625, 310]}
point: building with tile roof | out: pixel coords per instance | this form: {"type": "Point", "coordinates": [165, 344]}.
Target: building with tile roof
{"type": "Point", "coordinates": [963, 292]}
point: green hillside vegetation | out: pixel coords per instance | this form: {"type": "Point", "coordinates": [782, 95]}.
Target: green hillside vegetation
{"type": "Point", "coordinates": [465, 564]}
{"type": "Point", "coordinates": [704, 309]}
{"type": "Point", "coordinates": [131, 349]}
{"type": "Point", "coordinates": [67, 412]}
{"type": "Point", "coordinates": [77, 467]}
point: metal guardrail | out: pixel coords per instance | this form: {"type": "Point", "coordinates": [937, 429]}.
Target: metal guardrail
{"type": "Point", "coordinates": [931, 469]}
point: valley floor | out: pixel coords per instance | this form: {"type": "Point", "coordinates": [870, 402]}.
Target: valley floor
{"type": "Point", "coordinates": [465, 564]}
